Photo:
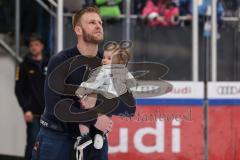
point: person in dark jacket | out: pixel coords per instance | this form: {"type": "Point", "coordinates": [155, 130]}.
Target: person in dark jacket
{"type": "Point", "coordinates": [29, 89]}
{"type": "Point", "coordinates": [58, 133]}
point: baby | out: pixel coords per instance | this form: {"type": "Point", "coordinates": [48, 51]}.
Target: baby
{"type": "Point", "coordinates": [112, 79]}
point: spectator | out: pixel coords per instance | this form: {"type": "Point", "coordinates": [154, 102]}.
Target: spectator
{"type": "Point", "coordinates": [161, 12]}
{"type": "Point", "coordinates": [185, 9]}
{"type": "Point", "coordinates": [203, 9]}
{"type": "Point", "coordinates": [109, 8]}
{"type": "Point", "coordinates": [30, 77]}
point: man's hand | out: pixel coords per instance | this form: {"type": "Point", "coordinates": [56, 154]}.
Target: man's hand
{"type": "Point", "coordinates": [104, 123]}
{"type": "Point", "coordinates": [89, 101]}
{"type": "Point", "coordinates": [28, 116]}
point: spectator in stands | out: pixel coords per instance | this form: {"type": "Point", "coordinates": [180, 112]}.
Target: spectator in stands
{"type": "Point", "coordinates": [203, 9]}
{"type": "Point", "coordinates": [109, 9]}
{"type": "Point", "coordinates": [29, 89]}
{"type": "Point", "coordinates": [185, 9]}
{"type": "Point", "coordinates": [161, 12]}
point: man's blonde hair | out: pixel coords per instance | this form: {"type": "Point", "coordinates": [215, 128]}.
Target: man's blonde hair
{"type": "Point", "coordinates": [77, 16]}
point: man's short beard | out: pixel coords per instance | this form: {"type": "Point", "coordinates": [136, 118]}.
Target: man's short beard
{"type": "Point", "coordinates": [90, 38]}
{"type": "Point", "coordinates": [35, 54]}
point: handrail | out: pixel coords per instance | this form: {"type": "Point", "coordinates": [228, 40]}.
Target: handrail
{"type": "Point", "coordinates": [231, 19]}
{"type": "Point", "coordinates": [132, 16]}
{"type": "Point", "coordinates": [10, 50]}
{"type": "Point", "coordinates": [53, 3]}
{"type": "Point", "coordinates": [182, 18]}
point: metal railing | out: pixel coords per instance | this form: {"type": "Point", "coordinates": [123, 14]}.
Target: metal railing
{"type": "Point", "coordinates": [10, 50]}
{"type": "Point", "coordinates": [59, 15]}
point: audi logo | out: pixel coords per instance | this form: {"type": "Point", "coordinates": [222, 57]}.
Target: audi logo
{"type": "Point", "coordinates": [228, 90]}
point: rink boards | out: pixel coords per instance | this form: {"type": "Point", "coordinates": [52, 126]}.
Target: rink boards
{"type": "Point", "coordinates": [172, 126]}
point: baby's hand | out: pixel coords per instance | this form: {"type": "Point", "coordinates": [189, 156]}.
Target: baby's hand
{"type": "Point", "coordinates": [88, 101]}
{"type": "Point", "coordinates": [80, 92]}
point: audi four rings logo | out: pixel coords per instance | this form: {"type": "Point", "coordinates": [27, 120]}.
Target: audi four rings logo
{"type": "Point", "coordinates": [228, 90]}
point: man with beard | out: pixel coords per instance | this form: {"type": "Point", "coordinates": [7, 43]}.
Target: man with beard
{"type": "Point", "coordinates": [56, 137]}
{"type": "Point", "coordinates": [29, 89]}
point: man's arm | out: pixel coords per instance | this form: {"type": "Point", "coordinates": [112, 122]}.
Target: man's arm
{"type": "Point", "coordinates": [22, 88]}
{"type": "Point", "coordinates": [52, 97]}
{"type": "Point", "coordinates": [22, 92]}
{"type": "Point", "coordinates": [103, 122]}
